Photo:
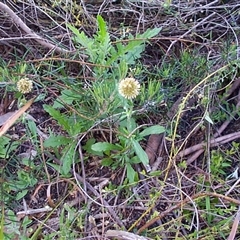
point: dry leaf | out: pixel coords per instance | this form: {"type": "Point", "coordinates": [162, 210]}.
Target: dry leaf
{"type": "Point", "coordinates": [4, 118]}
{"type": "Point", "coordinates": [12, 119]}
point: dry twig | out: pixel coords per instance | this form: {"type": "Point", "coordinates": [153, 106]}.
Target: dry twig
{"type": "Point", "coordinates": [29, 33]}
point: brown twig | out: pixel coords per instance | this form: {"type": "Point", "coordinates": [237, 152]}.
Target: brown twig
{"type": "Point", "coordinates": [213, 143]}
{"type": "Point", "coordinates": [30, 34]}
{"type": "Point", "coordinates": [233, 232]}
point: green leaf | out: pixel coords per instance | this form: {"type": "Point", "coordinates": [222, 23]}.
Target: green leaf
{"type": "Point", "coordinates": [140, 152]}
{"type": "Point", "coordinates": [6, 147]}
{"type": "Point", "coordinates": [81, 37]}
{"type": "Point", "coordinates": [157, 129]}
{"type": "Point", "coordinates": [130, 173]}
{"type": "Point", "coordinates": [136, 45]}
{"type": "Point", "coordinates": [21, 194]}
{"type": "Point", "coordinates": [102, 41]}
{"type": "Point", "coordinates": [67, 97]}
{"type": "Point", "coordinates": [3, 149]}
{"type": "Point", "coordinates": [103, 35]}
{"type": "Point", "coordinates": [123, 69]}
{"type": "Point", "coordinates": [107, 162]}
{"type": "Point", "coordinates": [208, 119]}
{"type": "Point", "coordinates": [56, 141]}
{"type": "Point", "coordinates": [55, 166]}
{"type": "Point", "coordinates": [67, 158]}
{"type": "Point", "coordinates": [135, 160]}
{"type": "Point", "coordinates": [40, 97]}
{"type": "Point", "coordinates": [88, 147]}
{"type": "Point", "coordinates": [84, 41]}
{"type": "Point", "coordinates": [22, 68]}
{"type": "Point", "coordinates": [134, 54]}
{"type": "Point", "coordinates": [226, 164]}
{"type": "Point", "coordinates": [149, 33]}
{"type": "Point", "coordinates": [155, 173]}
{"type": "Point", "coordinates": [62, 120]}
{"type": "Point", "coordinates": [208, 208]}
{"type": "Point", "coordinates": [33, 128]}
{"type": "Point", "coordinates": [104, 146]}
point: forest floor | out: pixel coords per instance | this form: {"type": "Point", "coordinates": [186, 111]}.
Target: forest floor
{"type": "Point", "coordinates": [82, 159]}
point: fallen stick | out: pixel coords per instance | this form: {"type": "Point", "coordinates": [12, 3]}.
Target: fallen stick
{"type": "Point", "coordinates": [26, 212]}
{"type": "Point", "coordinates": [213, 143]}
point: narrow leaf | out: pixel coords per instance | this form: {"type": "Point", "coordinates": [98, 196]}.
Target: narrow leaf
{"type": "Point", "coordinates": [102, 28]}
{"type": "Point", "coordinates": [150, 33]}
{"type": "Point", "coordinates": [152, 130]}
{"type": "Point", "coordinates": [208, 119]}
{"type": "Point", "coordinates": [57, 115]}
{"type": "Point", "coordinates": [106, 162]}
{"type": "Point", "coordinates": [140, 152]}
{"type": "Point", "coordinates": [67, 158]}
{"type": "Point", "coordinates": [56, 141]}
{"type": "Point", "coordinates": [104, 146]}
{"type": "Point", "coordinates": [130, 173]}
{"type": "Point", "coordinates": [81, 38]}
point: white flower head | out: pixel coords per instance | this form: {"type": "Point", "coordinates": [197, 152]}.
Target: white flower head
{"type": "Point", "coordinates": [24, 85]}
{"type": "Point", "coordinates": [129, 88]}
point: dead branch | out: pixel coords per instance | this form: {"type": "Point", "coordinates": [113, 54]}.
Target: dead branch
{"type": "Point", "coordinates": [213, 143]}
{"type": "Point", "coordinates": [29, 33]}
{"type": "Point", "coordinates": [233, 232]}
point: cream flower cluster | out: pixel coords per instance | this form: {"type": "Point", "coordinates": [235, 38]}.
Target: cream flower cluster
{"type": "Point", "coordinates": [24, 85]}
{"type": "Point", "coordinates": [129, 88]}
